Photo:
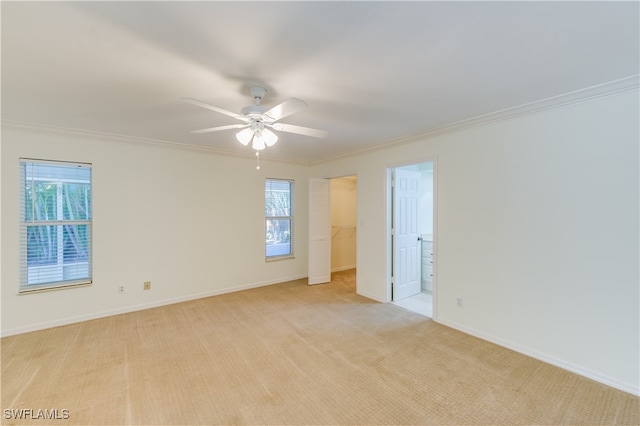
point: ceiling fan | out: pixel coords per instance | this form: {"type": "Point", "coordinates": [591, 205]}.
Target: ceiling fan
{"type": "Point", "coordinates": [257, 120]}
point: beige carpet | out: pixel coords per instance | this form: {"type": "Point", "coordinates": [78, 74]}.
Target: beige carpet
{"type": "Point", "coordinates": [289, 354]}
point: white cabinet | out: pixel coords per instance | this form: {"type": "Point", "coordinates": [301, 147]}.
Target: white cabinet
{"type": "Point", "coordinates": [427, 263]}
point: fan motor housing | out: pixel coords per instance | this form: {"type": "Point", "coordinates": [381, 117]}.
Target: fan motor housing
{"type": "Point", "coordinates": [254, 111]}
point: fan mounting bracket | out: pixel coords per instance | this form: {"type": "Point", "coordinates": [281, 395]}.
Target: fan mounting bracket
{"type": "Point", "coordinates": [258, 93]}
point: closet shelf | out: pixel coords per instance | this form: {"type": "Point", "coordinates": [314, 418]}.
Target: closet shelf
{"type": "Point", "coordinates": [350, 230]}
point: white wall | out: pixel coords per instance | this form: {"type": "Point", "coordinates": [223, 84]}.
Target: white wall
{"type": "Point", "coordinates": [343, 223]}
{"type": "Point", "coordinates": [537, 230]}
{"type": "Point", "coordinates": [190, 222]}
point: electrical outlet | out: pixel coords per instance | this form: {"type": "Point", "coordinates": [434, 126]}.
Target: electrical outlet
{"type": "Point", "coordinates": [147, 285]}
{"type": "Point", "coordinates": [459, 302]}
{"type": "Point", "coordinates": [121, 289]}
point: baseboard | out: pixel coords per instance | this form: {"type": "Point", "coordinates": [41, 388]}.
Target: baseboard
{"type": "Point", "coordinates": [370, 296]}
{"type": "Point", "coordinates": [600, 378]}
{"type": "Point", "coordinates": [343, 268]}
{"type": "Point", "coordinates": [142, 306]}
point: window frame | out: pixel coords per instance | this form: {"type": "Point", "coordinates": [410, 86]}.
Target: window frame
{"type": "Point", "coordinates": [290, 218]}
{"type": "Point", "coordinates": [76, 276]}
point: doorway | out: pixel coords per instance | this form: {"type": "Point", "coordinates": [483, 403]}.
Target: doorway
{"type": "Point", "coordinates": [411, 233]}
{"type": "Point", "coordinates": [344, 201]}
{"type": "Point", "coordinates": [333, 230]}
{"type": "Point", "coordinates": [343, 223]}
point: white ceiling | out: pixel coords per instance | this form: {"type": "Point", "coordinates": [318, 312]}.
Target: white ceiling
{"type": "Point", "coordinates": [371, 72]}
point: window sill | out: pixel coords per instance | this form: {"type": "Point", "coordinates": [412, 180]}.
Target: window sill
{"type": "Point", "coordinates": [44, 288]}
{"type": "Point", "coordinates": [277, 258]}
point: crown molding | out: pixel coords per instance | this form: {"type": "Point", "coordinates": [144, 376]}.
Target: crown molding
{"type": "Point", "coordinates": [136, 140]}
{"type": "Point", "coordinates": [587, 94]}
{"type": "Point", "coordinates": [575, 97]}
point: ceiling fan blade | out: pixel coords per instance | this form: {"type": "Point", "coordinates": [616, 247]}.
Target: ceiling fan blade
{"type": "Point", "coordinates": [286, 108]}
{"type": "Point", "coordinates": [216, 129]}
{"type": "Point", "coordinates": [213, 108]}
{"type": "Point", "coordinates": [299, 130]}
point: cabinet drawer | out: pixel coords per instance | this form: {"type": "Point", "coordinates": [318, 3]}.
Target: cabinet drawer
{"type": "Point", "coordinates": [427, 250]}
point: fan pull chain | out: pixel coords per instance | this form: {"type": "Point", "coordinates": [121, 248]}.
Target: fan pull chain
{"type": "Point", "coordinates": [257, 160]}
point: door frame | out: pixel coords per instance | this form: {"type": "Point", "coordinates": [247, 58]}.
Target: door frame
{"type": "Point", "coordinates": [388, 213]}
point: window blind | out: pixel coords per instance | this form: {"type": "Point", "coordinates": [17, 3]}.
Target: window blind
{"type": "Point", "coordinates": [55, 224]}
{"type": "Point", "coordinates": [279, 218]}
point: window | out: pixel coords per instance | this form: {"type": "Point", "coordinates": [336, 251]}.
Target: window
{"type": "Point", "coordinates": [279, 218]}
{"type": "Point", "coordinates": [55, 224]}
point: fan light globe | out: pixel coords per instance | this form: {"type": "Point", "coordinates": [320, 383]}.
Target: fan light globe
{"type": "Point", "coordinates": [258, 142]}
{"type": "Point", "coordinates": [269, 137]}
{"type": "Point", "coordinates": [244, 136]}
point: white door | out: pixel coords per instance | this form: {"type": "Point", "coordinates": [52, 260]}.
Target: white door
{"type": "Point", "coordinates": [406, 243]}
{"type": "Point", "coordinates": [319, 231]}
